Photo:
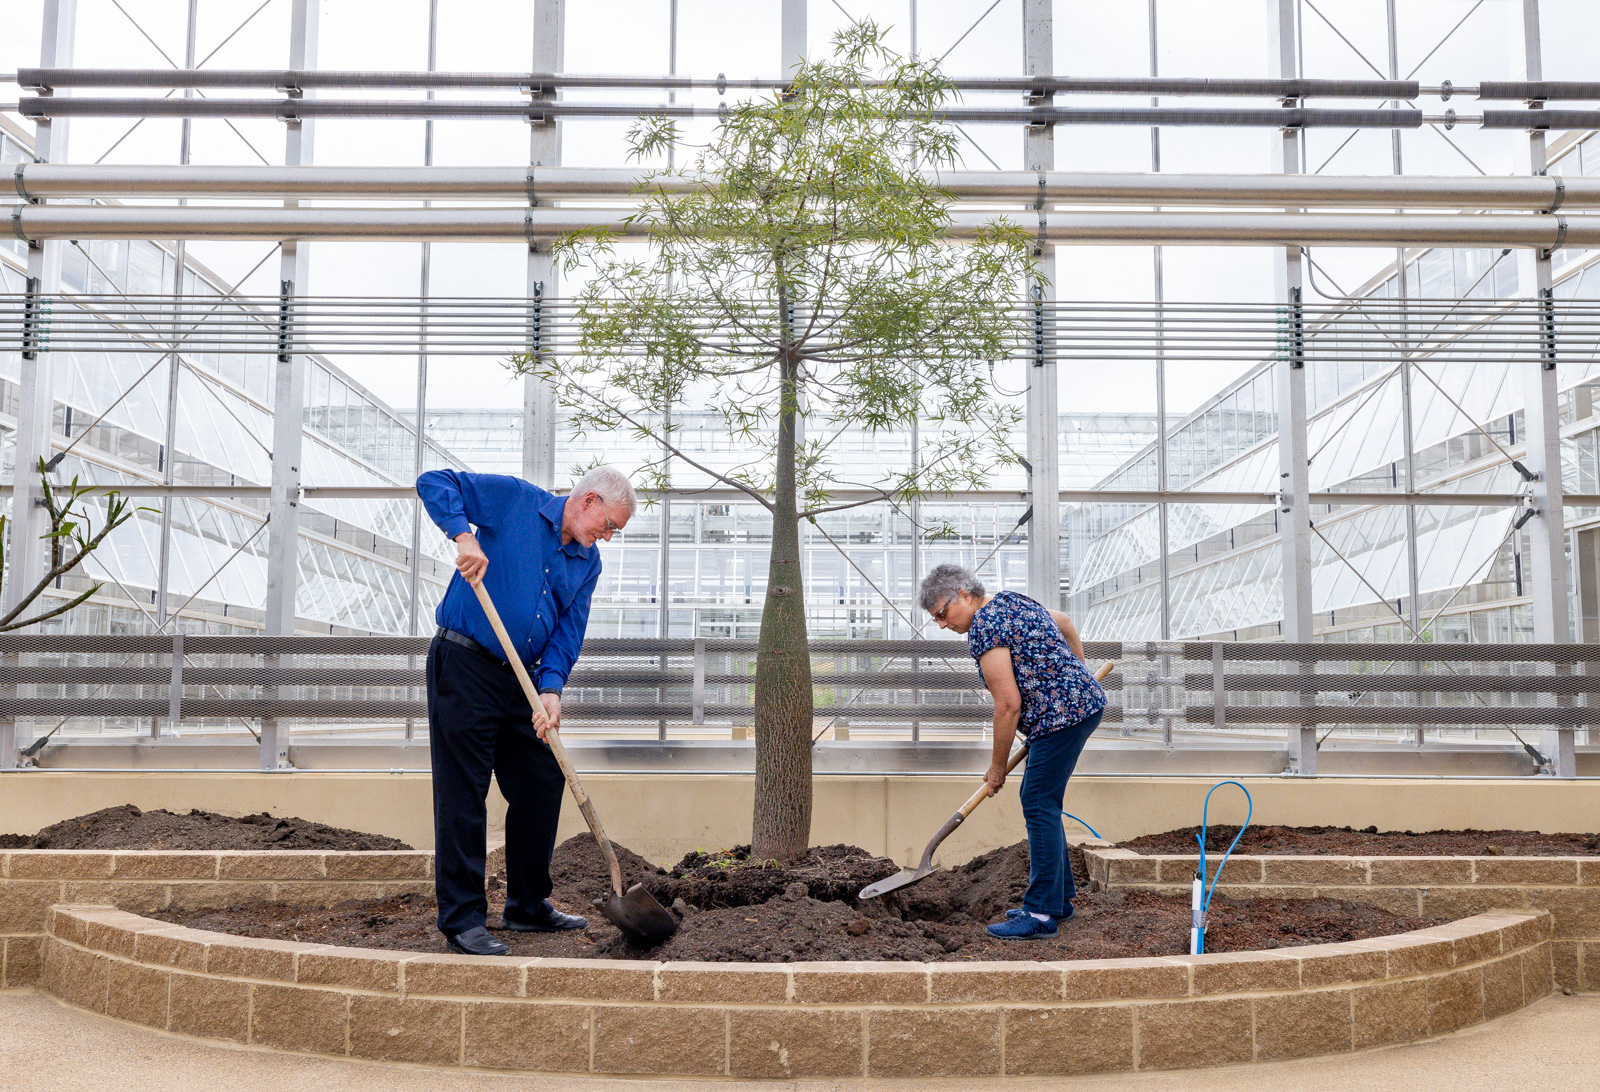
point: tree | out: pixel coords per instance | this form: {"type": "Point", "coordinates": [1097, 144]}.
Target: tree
{"type": "Point", "coordinates": [800, 267]}
{"type": "Point", "coordinates": [69, 528]}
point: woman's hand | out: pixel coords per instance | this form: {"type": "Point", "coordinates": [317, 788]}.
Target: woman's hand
{"type": "Point", "coordinates": [995, 778]}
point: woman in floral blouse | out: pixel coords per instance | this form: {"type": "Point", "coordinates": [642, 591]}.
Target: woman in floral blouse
{"type": "Point", "coordinates": [1031, 660]}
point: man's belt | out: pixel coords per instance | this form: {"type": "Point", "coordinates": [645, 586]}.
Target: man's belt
{"type": "Point", "coordinates": [467, 642]}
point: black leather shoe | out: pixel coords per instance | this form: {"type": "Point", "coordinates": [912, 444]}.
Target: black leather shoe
{"type": "Point", "coordinates": [548, 920]}
{"type": "Point", "coordinates": [476, 941]}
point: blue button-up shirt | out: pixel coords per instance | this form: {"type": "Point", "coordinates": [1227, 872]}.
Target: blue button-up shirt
{"type": "Point", "coordinates": [540, 587]}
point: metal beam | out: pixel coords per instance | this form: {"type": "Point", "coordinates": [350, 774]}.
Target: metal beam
{"type": "Point", "coordinates": [1043, 411]}
{"type": "Point", "coordinates": [288, 398]}
{"type": "Point", "coordinates": [39, 222]}
{"type": "Point", "coordinates": [1541, 407]}
{"type": "Point", "coordinates": [1531, 194]}
{"type": "Point", "coordinates": [793, 44]}
{"type": "Point", "coordinates": [1294, 508]}
{"type": "Point", "coordinates": [1442, 498]}
{"type": "Point", "coordinates": [27, 553]}
{"type": "Point", "coordinates": [544, 149]}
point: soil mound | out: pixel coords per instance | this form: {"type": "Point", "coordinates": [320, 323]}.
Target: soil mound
{"type": "Point", "coordinates": [127, 827]}
{"type": "Point", "coordinates": [734, 909]}
{"type": "Point", "coordinates": [1348, 842]}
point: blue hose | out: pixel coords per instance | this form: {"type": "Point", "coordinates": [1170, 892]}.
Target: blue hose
{"type": "Point", "coordinates": [1205, 901]}
{"type": "Point", "coordinates": [1085, 826]}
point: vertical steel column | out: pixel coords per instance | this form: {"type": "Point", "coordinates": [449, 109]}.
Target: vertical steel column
{"type": "Point", "coordinates": [664, 557]}
{"type": "Point", "coordinates": [36, 390]}
{"type": "Point", "coordinates": [544, 150]}
{"type": "Point", "coordinates": [1163, 513]}
{"type": "Point", "coordinates": [1294, 513]}
{"type": "Point", "coordinates": [288, 397]}
{"type": "Point", "coordinates": [1043, 414]}
{"type": "Point", "coordinates": [1407, 418]}
{"type": "Point", "coordinates": [419, 430]}
{"type": "Point", "coordinates": [791, 36]}
{"type": "Point", "coordinates": [1542, 421]}
{"type": "Point", "coordinates": [174, 365]}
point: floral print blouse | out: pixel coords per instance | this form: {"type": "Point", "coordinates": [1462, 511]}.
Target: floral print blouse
{"type": "Point", "coordinates": [1057, 689]}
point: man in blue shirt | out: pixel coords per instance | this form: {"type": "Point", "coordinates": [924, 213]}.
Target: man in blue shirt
{"type": "Point", "coordinates": [535, 554]}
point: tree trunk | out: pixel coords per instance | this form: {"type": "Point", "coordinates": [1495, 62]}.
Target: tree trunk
{"type": "Point", "coordinates": [781, 822]}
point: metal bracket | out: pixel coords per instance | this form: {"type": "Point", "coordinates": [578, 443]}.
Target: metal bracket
{"type": "Point", "coordinates": [531, 186]}
{"type": "Point", "coordinates": [1038, 324]}
{"type": "Point", "coordinates": [285, 317]}
{"type": "Point", "coordinates": [1561, 238]}
{"type": "Point", "coordinates": [1038, 206]}
{"type": "Point", "coordinates": [32, 320]}
{"type": "Point", "coordinates": [1547, 323]}
{"type": "Point", "coordinates": [536, 320]}
{"type": "Point", "coordinates": [1292, 329]}
{"type": "Point", "coordinates": [1561, 195]}
{"type": "Point", "coordinates": [16, 226]}
{"type": "Point", "coordinates": [20, 183]}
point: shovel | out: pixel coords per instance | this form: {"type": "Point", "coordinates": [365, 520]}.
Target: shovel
{"type": "Point", "coordinates": [635, 911]}
{"type": "Point", "coordinates": [908, 876]}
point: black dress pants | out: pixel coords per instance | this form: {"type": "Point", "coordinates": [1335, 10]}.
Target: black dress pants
{"type": "Point", "coordinates": [479, 723]}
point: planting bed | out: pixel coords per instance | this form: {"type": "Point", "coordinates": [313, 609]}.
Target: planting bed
{"type": "Point", "coordinates": [1370, 842]}
{"type": "Point", "coordinates": [127, 827]}
{"type": "Point", "coordinates": [735, 910]}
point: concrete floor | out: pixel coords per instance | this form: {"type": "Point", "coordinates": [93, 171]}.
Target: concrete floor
{"type": "Point", "coordinates": [47, 1047]}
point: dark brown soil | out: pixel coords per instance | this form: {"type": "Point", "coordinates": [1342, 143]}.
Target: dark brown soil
{"type": "Point", "coordinates": [1346, 842]}
{"type": "Point", "coordinates": [734, 910]}
{"type": "Point", "coordinates": [127, 827]}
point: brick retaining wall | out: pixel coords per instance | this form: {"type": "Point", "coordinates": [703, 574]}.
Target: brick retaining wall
{"type": "Point", "coordinates": [803, 1019]}
{"type": "Point", "coordinates": [32, 880]}
{"type": "Point", "coordinates": [1567, 887]}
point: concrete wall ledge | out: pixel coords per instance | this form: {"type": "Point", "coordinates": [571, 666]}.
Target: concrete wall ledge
{"type": "Point", "coordinates": [786, 1021]}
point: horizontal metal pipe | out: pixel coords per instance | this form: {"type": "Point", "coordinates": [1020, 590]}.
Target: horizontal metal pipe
{"type": "Point", "coordinates": [40, 79]}
{"type": "Point", "coordinates": [48, 106]}
{"type": "Point", "coordinates": [1541, 119]}
{"type": "Point", "coordinates": [34, 222]}
{"type": "Point", "coordinates": [1539, 90]}
{"type": "Point", "coordinates": [43, 181]}
{"type": "Point", "coordinates": [1437, 498]}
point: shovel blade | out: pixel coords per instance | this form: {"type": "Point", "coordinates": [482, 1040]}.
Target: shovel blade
{"type": "Point", "coordinates": [903, 878]}
{"type": "Point", "coordinates": [640, 917]}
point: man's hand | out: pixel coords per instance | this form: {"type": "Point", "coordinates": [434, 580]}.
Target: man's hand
{"type": "Point", "coordinates": [470, 560]}
{"type": "Point", "coordinates": [551, 721]}
{"type": "Point", "coordinates": [995, 778]}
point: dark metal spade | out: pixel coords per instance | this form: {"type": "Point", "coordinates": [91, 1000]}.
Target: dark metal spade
{"type": "Point", "coordinates": [908, 876]}
{"type": "Point", "coordinates": [636, 912]}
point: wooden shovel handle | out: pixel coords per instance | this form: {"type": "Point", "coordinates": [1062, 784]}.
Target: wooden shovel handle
{"type": "Point", "coordinates": [552, 737]}
{"type": "Point", "coordinates": [1019, 754]}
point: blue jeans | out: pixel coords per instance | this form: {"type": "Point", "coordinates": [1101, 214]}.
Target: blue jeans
{"type": "Point", "coordinates": [1051, 759]}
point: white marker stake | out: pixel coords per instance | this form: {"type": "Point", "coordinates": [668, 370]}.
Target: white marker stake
{"type": "Point", "coordinates": [1195, 925]}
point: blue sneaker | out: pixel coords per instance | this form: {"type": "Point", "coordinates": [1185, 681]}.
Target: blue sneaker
{"type": "Point", "coordinates": [1021, 925]}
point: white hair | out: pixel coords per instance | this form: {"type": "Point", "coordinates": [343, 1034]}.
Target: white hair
{"type": "Point", "coordinates": [610, 484]}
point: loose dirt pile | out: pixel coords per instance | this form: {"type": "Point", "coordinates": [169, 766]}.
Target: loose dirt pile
{"type": "Point", "coordinates": [127, 827]}
{"type": "Point", "coordinates": [733, 909]}
{"type": "Point", "coordinates": [1346, 842]}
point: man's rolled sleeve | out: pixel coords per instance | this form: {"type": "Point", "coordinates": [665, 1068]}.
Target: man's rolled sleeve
{"type": "Point", "coordinates": [561, 652]}
{"type": "Point", "coordinates": [457, 499]}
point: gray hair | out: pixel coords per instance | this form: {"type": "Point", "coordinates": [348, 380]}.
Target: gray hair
{"type": "Point", "coordinates": [944, 582]}
{"type": "Point", "coordinates": [610, 484]}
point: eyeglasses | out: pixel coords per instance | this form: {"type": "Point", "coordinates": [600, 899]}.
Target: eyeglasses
{"type": "Point", "coordinates": [938, 615]}
{"type": "Point", "coordinates": [611, 528]}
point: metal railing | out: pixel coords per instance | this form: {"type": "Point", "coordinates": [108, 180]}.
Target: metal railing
{"type": "Point", "coordinates": [918, 692]}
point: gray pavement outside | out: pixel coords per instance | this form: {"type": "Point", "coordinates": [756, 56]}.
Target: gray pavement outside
{"type": "Point", "coordinates": [45, 1046]}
